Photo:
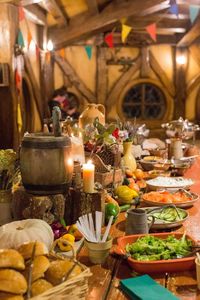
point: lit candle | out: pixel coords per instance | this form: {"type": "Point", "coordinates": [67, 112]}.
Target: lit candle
{"type": "Point", "coordinates": [88, 177]}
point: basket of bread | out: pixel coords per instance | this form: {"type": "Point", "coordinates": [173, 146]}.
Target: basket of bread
{"type": "Point", "coordinates": [35, 271]}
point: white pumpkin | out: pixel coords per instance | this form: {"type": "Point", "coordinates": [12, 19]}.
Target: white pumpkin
{"type": "Point", "coordinates": [13, 234]}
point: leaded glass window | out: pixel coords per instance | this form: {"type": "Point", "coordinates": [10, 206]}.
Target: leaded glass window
{"type": "Point", "coordinates": [144, 101]}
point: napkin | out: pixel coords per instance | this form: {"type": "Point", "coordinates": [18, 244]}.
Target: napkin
{"type": "Point", "coordinates": [145, 288]}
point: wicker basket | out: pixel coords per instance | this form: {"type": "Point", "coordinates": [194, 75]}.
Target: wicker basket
{"type": "Point", "coordinates": [74, 288]}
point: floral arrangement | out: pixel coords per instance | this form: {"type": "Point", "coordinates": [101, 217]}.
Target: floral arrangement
{"type": "Point", "coordinates": [112, 135]}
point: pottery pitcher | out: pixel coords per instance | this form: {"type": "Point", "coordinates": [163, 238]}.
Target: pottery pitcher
{"type": "Point", "coordinates": [92, 112]}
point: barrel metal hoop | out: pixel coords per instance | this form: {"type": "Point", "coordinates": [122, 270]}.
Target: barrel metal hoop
{"type": "Point", "coordinates": [45, 145]}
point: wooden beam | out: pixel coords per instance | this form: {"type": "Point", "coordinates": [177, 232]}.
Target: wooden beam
{"type": "Point", "coordinates": [121, 83]}
{"type": "Point", "coordinates": [102, 75]}
{"type": "Point", "coordinates": [161, 74]}
{"type": "Point", "coordinates": [54, 9]}
{"type": "Point", "coordinates": [110, 16]}
{"type": "Point", "coordinates": [36, 89]}
{"type": "Point", "coordinates": [92, 6]}
{"type": "Point", "coordinates": [74, 78]}
{"type": "Point", "coordinates": [191, 35]}
{"type": "Point", "coordinates": [35, 14]}
{"type": "Point", "coordinates": [145, 67]}
{"type": "Point", "coordinates": [194, 50]}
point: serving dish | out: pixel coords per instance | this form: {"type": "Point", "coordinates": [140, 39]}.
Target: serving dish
{"type": "Point", "coordinates": [164, 224]}
{"type": "Point", "coordinates": [158, 266]}
{"type": "Point", "coordinates": [163, 200]}
{"type": "Point", "coordinates": [170, 183]}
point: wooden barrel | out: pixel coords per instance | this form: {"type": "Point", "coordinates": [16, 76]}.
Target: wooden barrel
{"type": "Point", "coordinates": [46, 163]}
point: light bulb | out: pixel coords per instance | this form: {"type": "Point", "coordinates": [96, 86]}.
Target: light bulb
{"type": "Point", "coordinates": [50, 45]}
{"type": "Point", "coordinates": [181, 59]}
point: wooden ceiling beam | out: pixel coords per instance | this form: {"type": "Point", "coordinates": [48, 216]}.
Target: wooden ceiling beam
{"type": "Point", "coordinates": [161, 23]}
{"type": "Point", "coordinates": [54, 9]}
{"type": "Point", "coordinates": [192, 34]}
{"type": "Point", "coordinates": [92, 6]}
{"type": "Point", "coordinates": [35, 14]}
{"type": "Point", "coordinates": [109, 16]}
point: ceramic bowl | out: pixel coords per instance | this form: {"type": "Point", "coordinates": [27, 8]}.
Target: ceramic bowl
{"type": "Point", "coordinates": [158, 266]}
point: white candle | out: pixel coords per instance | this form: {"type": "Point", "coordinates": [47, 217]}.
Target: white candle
{"type": "Point", "coordinates": [88, 177]}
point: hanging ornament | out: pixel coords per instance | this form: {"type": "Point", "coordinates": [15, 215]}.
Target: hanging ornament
{"type": "Point", "coordinates": [20, 39]}
{"type": "Point", "coordinates": [125, 32]}
{"type": "Point", "coordinates": [151, 29]}
{"type": "Point", "coordinates": [174, 9]}
{"type": "Point", "coordinates": [62, 52]}
{"type": "Point", "coordinates": [19, 117]}
{"type": "Point", "coordinates": [29, 38]}
{"type": "Point", "coordinates": [88, 50]}
{"type": "Point", "coordinates": [109, 40]}
{"type": "Point", "coordinates": [21, 14]}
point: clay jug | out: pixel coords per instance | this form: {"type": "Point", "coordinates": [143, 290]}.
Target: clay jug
{"type": "Point", "coordinates": [92, 112]}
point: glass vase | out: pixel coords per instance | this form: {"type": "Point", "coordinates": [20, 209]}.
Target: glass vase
{"type": "Point", "coordinates": [128, 160]}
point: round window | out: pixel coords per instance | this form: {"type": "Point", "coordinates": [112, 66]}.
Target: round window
{"type": "Point", "coordinates": [144, 101]}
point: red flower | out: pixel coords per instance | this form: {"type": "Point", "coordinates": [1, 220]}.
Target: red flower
{"type": "Point", "coordinates": [116, 133]}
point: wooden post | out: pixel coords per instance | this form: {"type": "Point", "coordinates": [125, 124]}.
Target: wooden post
{"type": "Point", "coordinates": [46, 73]}
{"type": "Point", "coordinates": [79, 203]}
{"type": "Point", "coordinates": [180, 82]}
{"type": "Point", "coordinates": [145, 67]}
{"type": "Point", "coordinates": [102, 76]}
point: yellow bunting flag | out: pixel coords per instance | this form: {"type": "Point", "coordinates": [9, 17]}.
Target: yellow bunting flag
{"type": "Point", "coordinates": [125, 32]}
{"type": "Point", "coordinates": [19, 118]}
{"type": "Point", "coordinates": [123, 20]}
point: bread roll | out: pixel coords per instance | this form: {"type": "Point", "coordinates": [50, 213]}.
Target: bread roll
{"type": "Point", "coordinates": [12, 281]}
{"type": "Point", "coordinates": [26, 249]}
{"type": "Point", "coordinates": [40, 286]}
{"type": "Point", "coordinates": [8, 296]}
{"type": "Point", "coordinates": [10, 258]}
{"type": "Point", "coordinates": [40, 265]}
{"type": "Point", "coordinates": [58, 269]}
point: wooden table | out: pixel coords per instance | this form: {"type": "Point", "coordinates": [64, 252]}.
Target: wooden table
{"type": "Point", "coordinates": [104, 284]}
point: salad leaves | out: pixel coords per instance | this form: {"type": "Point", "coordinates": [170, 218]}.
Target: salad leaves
{"type": "Point", "coordinates": [149, 248]}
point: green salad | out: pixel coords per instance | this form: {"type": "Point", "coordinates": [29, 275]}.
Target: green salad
{"type": "Point", "coordinates": [149, 248]}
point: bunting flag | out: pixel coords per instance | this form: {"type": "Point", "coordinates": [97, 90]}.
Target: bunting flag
{"type": "Point", "coordinates": [123, 20]}
{"type": "Point", "coordinates": [17, 81]}
{"type": "Point", "coordinates": [20, 39]}
{"type": "Point", "coordinates": [174, 9]}
{"type": "Point", "coordinates": [125, 32]}
{"type": "Point", "coordinates": [21, 14]}
{"type": "Point", "coordinates": [62, 52]}
{"type": "Point", "coordinates": [88, 50]}
{"type": "Point", "coordinates": [29, 38]}
{"type": "Point", "coordinates": [19, 117]}
{"type": "Point", "coordinates": [109, 40]}
{"type": "Point", "coordinates": [151, 29]}
{"type": "Point", "coordinates": [194, 10]}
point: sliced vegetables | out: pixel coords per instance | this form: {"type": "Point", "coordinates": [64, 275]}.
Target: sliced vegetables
{"type": "Point", "coordinates": [168, 214]}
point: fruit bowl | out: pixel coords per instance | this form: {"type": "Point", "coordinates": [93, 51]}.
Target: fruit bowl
{"type": "Point", "coordinates": [158, 266]}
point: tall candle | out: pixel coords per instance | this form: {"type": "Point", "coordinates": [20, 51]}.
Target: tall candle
{"type": "Point", "coordinates": [88, 177]}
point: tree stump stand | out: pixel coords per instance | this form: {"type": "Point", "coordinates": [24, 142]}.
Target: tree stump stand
{"type": "Point", "coordinates": [79, 203]}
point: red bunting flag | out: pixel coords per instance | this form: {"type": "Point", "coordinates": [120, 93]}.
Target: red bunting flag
{"type": "Point", "coordinates": [109, 40]}
{"type": "Point", "coordinates": [17, 80]}
{"type": "Point", "coordinates": [151, 29]}
{"type": "Point", "coordinates": [21, 14]}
